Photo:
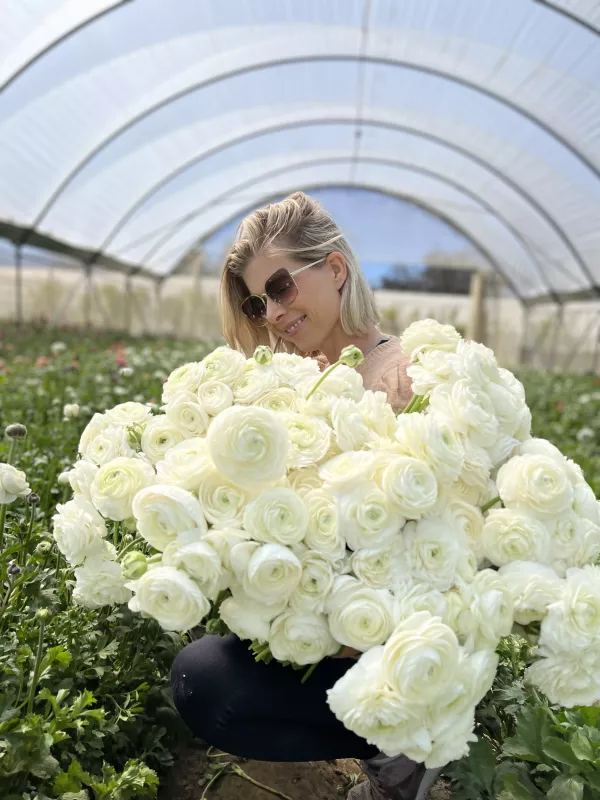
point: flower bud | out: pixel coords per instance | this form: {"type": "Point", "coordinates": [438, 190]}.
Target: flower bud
{"type": "Point", "coordinates": [126, 372]}
{"type": "Point", "coordinates": [43, 614]}
{"type": "Point", "coordinates": [43, 548]}
{"type": "Point", "coordinates": [70, 411]}
{"type": "Point", "coordinates": [57, 347]}
{"type": "Point", "coordinates": [14, 569]}
{"type": "Point", "coordinates": [351, 356]}
{"type": "Point", "coordinates": [33, 499]}
{"type": "Point", "coordinates": [263, 354]}
{"type": "Point", "coordinates": [63, 478]}
{"type": "Point", "coordinates": [134, 565]}
{"type": "Point", "coordinates": [16, 431]}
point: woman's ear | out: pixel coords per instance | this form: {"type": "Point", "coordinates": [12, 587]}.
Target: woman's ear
{"type": "Point", "coordinates": [339, 270]}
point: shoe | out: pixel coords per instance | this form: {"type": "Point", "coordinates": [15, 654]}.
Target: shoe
{"type": "Point", "coordinates": [396, 778]}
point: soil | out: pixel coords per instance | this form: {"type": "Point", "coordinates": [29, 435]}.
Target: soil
{"type": "Point", "coordinates": [312, 780]}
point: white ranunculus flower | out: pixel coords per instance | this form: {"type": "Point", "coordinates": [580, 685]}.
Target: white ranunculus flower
{"type": "Point", "coordinates": [171, 597]}
{"type": "Point", "coordinates": [452, 742]}
{"type": "Point", "coordinates": [589, 550]}
{"type": "Point", "coordinates": [159, 436]}
{"type": "Point", "coordinates": [79, 531]}
{"type": "Point", "coordinates": [566, 539]}
{"type": "Point", "coordinates": [428, 334]}
{"type": "Point", "coordinates": [128, 414]}
{"type": "Point", "coordinates": [467, 409]}
{"type": "Point", "coordinates": [536, 483]}
{"type": "Point", "coordinates": [409, 483]}
{"type": "Point", "coordinates": [371, 709]}
{"type": "Point", "coordinates": [433, 552]}
{"type": "Point", "coordinates": [184, 464]}
{"type": "Point", "coordinates": [305, 480]}
{"type": "Point", "coordinates": [291, 368]}
{"type": "Point", "coordinates": [223, 364]}
{"type": "Point", "coordinates": [214, 397]}
{"type": "Point", "coordinates": [248, 619]}
{"type": "Point", "coordinates": [223, 503]}
{"type": "Point", "coordinates": [432, 369]}
{"type": "Point", "coordinates": [411, 596]}
{"type": "Point", "coordinates": [101, 441]}
{"type": "Point", "coordinates": [514, 535]}
{"type": "Point", "coordinates": [378, 413]}
{"type": "Point", "coordinates": [573, 621]}
{"type": "Point", "coordinates": [253, 384]}
{"type": "Point", "coordinates": [541, 447]}
{"type": "Point", "coordinates": [301, 637]}
{"type": "Point", "coordinates": [249, 445]}
{"type": "Point", "coordinates": [13, 484]}
{"type": "Point", "coordinates": [70, 411]}
{"type": "Point", "coordinates": [278, 400]}
{"type": "Point", "coordinates": [163, 512]}
{"type": "Point", "coordinates": [476, 470]}
{"type": "Point", "coordinates": [533, 588]}
{"type": "Point", "coordinates": [569, 677]}
{"type": "Point", "coordinates": [488, 611]}
{"type": "Point", "coordinates": [183, 379]}
{"type": "Point", "coordinates": [347, 470]}
{"type": "Point", "coordinates": [369, 517]}
{"type": "Point", "coordinates": [187, 414]}
{"type": "Point", "coordinates": [323, 532]}
{"type": "Point", "coordinates": [193, 554]}
{"type": "Point", "coordinates": [309, 437]}
{"type": "Point", "coordinates": [315, 584]}
{"type": "Point", "coordinates": [349, 425]}
{"type": "Point", "coordinates": [100, 583]}
{"type": "Point", "coordinates": [432, 441]}
{"type": "Point", "coordinates": [476, 363]}
{"type": "Point", "coordinates": [277, 515]}
{"type": "Point", "coordinates": [272, 574]}
{"type": "Point", "coordinates": [81, 476]}
{"type": "Point", "coordinates": [319, 403]}
{"type": "Point", "coordinates": [115, 485]}
{"type": "Point", "coordinates": [374, 567]}
{"type": "Point", "coordinates": [468, 518]}
{"type": "Point", "coordinates": [511, 383]}
{"type": "Point", "coordinates": [359, 616]}
{"type": "Point", "coordinates": [223, 540]}
{"type": "Point", "coordinates": [585, 504]}
{"type": "Point", "coordinates": [421, 658]}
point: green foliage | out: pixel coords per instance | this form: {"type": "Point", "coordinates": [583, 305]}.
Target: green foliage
{"type": "Point", "coordinates": [102, 723]}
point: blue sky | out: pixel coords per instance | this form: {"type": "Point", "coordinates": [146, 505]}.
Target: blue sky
{"type": "Point", "coordinates": [383, 230]}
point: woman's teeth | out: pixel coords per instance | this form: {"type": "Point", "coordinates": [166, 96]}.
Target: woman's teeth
{"type": "Point", "coordinates": [293, 328]}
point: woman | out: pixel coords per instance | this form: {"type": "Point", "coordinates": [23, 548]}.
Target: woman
{"type": "Point", "coordinates": [292, 281]}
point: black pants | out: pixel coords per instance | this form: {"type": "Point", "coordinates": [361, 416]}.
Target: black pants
{"type": "Point", "coordinates": [261, 711]}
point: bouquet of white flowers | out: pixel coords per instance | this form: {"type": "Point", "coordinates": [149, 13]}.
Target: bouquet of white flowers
{"type": "Point", "coordinates": [296, 510]}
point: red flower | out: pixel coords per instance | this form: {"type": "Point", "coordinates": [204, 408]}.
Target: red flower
{"type": "Point", "coordinates": [42, 361]}
{"type": "Point", "coordinates": [560, 407]}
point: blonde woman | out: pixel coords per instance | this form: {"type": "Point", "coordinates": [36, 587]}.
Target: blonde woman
{"type": "Point", "coordinates": [292, 281]}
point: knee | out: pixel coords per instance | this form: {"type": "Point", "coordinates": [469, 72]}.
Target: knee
{"type": "Point", "coordinates": [199, 682]}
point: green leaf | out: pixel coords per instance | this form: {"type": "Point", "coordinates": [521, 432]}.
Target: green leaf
{"type": "Point", "coordinates": [593, 778]}
{"type": "Point", "coordinates": [565, 787]}
{"type": "Point", "coordinates": [590, 715]}
{"type": "Point", "coordinates": [559, 750]}
{"type": "Point", "coordinates": [582, 747]}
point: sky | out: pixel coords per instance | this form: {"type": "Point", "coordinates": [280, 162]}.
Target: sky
{"type": "Point", "coordinates": [383, 231]}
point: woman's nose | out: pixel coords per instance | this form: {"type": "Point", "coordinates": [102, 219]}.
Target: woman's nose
{"type": "Point", "coordinates": [274, 312]}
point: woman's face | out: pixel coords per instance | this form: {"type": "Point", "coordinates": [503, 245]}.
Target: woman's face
{"type": "Point", "coordinates": [315, 312]}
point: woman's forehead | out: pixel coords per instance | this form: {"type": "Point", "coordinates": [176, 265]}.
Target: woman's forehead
{"type": "Point", "coordinates": [260, 269]}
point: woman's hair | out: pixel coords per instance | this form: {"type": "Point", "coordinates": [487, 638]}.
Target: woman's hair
{"type": "Point", "coordinates": [300, 228]}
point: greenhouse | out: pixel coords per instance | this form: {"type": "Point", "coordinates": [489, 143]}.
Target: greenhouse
{"type": "Point", "coordinates": [457, 146]}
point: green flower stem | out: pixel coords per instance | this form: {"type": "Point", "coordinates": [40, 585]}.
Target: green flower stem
{"type": "Point", "coordinates": [25, 550]}
{"type": "Point", "coordinates": [214, 779]}
{"type": "Point", "coordinates": [127, 548]}
{"type": "Point", "coordinates": [491, 503]}
{"type": "Point", "coordinates": [327, 372]}
{"type": "Point", "coordinates": [309, 672]}
{"type": "Point", "coordinates": [36, 670]}
{"type": "Point", "coordinates": [415, 401]}
{"type": "Point", "coordinates": [115, 533]}
{"type": "Point", "coordinates": [239, 771]}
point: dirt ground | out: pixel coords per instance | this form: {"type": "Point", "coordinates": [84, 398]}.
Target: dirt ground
{"type": "Point", "coordinates": [315, 780]}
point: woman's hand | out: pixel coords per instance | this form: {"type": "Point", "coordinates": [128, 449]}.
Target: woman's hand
{"type": "Point", "coordinates": [348, 652]}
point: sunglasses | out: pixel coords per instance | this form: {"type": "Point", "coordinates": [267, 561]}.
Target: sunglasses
{"type": "Point", "coordinates": [281, 288]}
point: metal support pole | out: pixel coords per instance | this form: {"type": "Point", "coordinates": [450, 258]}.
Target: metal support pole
{"type": "Point", "coordinates": [158, 285]}
{"type": "Point", "coordinates": [18, 285]}
{"type": "Point", "coordinates": [596, 348]}
{"type": "Point", "coordinates": [87, 297]}
{"type": "Point", "coordinates": [476, 330]}
{"type": "Point", "coordinates": [558, 325]}
{"type": "Point", "coordinates": [128, 315]}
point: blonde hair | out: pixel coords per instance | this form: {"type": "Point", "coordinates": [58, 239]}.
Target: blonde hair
{"type": "Point", "coordinates": [301, 228]}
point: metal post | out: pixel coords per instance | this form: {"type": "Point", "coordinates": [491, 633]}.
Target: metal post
{"type": "Point", "coordinates": [18, 285]}
{"type": "Point", "coordinates": [128, 317]}
{"type": "Point", "coordinates": [596, 348]}
{"type": "Point", "coordinates": [558, 324]}
{"type": "Point", "coordinates": [87, 297]}
{"type": "Point", "coordinates": [476, 329]}
{"type": "Point", "coordinates": [158, 285]}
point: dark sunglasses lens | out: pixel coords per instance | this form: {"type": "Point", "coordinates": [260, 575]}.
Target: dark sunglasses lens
{"type": "Point", "coordinates": [254, 308]}
{"type": "Point", "coordinates": [281, 288]}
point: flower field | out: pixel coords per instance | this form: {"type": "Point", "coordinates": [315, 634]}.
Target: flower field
{"type": "Point", "coordinates": [85, 710]}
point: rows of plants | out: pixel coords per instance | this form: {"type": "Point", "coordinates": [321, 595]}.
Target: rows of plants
{"type": "Point", "coordinates": [85, 709]}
